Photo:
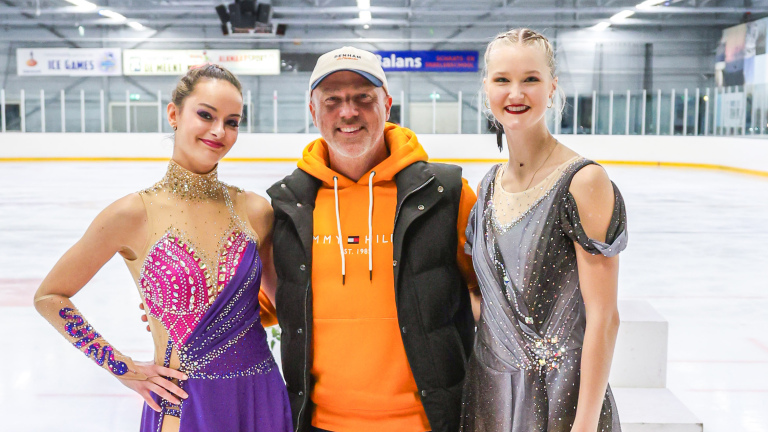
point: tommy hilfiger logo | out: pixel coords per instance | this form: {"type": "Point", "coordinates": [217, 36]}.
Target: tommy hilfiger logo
{"type": "Point", "coordinates": [356, 240]}
{"type": "Point", "coordinates": [347, 57]}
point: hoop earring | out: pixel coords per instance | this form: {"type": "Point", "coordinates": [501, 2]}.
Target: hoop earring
{"type": "Point", "coordinates": [485, 102]}
{"type": "Point", "coordinates": [551, 102]}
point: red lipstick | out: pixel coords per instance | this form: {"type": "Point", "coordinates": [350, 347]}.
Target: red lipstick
{"type": "Point", "coordinates": [212, 144]}
{"type": "Point", "coordinates": [517, 109]}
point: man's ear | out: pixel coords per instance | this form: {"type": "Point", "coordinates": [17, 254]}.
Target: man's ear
{"type": "Point", "coordinates": [312, 110]}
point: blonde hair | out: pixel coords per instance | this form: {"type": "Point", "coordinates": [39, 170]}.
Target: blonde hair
{"type": "Point", "coordinates": [527, 38]}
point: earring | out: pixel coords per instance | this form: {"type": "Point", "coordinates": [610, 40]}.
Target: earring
{"type": "Point", "coordinates": [174, 128]}
{"type": "Point", "coordinates": [551, 102]}
{"type": "Point", "coordinates": [485, 102]}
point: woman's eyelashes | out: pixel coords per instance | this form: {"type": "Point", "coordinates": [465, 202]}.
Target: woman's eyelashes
{"type": "Point", "coordinates": [525, 80]}
{"type": "Point", "coordinates": [205, 115]}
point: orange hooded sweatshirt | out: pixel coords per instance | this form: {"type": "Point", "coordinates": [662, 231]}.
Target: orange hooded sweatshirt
{"type": "Point", "coordinates": [362, 379]}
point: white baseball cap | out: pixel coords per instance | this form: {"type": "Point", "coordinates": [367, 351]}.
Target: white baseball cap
{"type": "Point", "coordinates": [350, 59]}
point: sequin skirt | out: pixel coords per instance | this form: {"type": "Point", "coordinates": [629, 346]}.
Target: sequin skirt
{"type": "Point", "coordinates": [498, 398]}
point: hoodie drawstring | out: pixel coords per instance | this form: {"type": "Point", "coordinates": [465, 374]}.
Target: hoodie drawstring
{"type": "Point", "coordinates": [370, 228]}
{"type": "Point", "coordinates": [338, 229]}
{"type": "Point", "coordinates": [370, 225]}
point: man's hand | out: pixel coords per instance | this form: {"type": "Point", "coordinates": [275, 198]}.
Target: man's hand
{"type": "Point", "coordinates": [144, 315]}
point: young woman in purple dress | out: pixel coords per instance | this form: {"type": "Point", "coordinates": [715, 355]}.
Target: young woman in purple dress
{"type": "Point", "coordinates": [199, 252]}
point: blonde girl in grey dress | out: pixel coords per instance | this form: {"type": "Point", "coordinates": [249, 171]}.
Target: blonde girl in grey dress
{"type": "Point", "coordinates": [544, 237]}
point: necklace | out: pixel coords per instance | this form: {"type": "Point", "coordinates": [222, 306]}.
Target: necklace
{"type": "Point", "coordinates": [540, 166]}
{"type": "Point", "coordinates": [190, 186]}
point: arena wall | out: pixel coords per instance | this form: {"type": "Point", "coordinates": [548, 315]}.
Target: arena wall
{"type": "Point", "coordinates": [736, 154]}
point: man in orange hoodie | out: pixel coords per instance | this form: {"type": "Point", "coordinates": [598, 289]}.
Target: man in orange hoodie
{"type": "Point", "coordinates": [373, 292]}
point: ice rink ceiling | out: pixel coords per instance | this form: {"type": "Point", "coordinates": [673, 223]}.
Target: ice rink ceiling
{"type": "Point", "coordinates": [398, 13]}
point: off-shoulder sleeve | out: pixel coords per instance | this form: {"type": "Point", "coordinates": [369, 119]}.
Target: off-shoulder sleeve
{"type": "Point", "coordinates": [615, 238]}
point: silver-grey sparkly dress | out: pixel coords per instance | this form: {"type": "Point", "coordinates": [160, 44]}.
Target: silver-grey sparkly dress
{"type": "Point", "coordinates": [523, 375]}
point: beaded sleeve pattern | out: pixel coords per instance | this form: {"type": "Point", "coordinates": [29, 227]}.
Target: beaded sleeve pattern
{"type": "Point", "coordinates": [70, 322]}
{"type": "Point", "coordinates": [101, 352]}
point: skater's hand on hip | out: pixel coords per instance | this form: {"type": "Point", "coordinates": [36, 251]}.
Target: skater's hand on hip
{"type": "Point", "coordinates": [157, 382]}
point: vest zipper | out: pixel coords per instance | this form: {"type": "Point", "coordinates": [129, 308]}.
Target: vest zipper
{"type": "Point", "coordinates": [300, 420]}
{"type": "Point", "coordinates": [306, 358]}
{"type": "Point", "coordinates": [397, 214]}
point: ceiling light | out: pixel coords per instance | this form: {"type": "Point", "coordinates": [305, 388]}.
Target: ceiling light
{"type": "Point", "coordinates": [601, 26]}
{"type": "Point", "coordinates": [621, 16]}
{"type": "Point", "coordinates": [135, 25]}
{"type": "Point", "coordinates": [81, 30]}
{"type": "Point", "coordinates": [83, 4]}
{"type": "Point", "coordinates": [112, 14]}
{"type": "Point", "coordinates": [365, 16]}
{"type": "Point", "coordinates": [364, 4]}
{"type": "Point", "coordinates": [366, 26]}
{"type": "Point", "coordinates": [647, 4]}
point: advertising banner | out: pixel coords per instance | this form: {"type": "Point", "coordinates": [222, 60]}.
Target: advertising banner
{"type": "Point", "coordinates": [428, 61]}
{"type": "Point", "coordinates": [68, 61]}
{"type": "Point", "coordinates": [178, 62]}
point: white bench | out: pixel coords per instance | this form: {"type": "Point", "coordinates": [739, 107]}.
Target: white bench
{"type": "Point", "coordinates": [640, 357]}
{"type": "Point", "coordinates": [639, 374]}
{"type": "Point", "coordinates": [653, 410]}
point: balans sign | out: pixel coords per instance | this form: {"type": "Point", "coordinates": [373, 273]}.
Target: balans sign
{"type": "Point", "coordinates": [395, 62]}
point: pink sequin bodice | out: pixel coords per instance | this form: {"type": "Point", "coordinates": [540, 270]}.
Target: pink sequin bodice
{"type": "Point", "coordinates": [178, 287]}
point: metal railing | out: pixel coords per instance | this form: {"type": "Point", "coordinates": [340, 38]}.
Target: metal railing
{"type": "Point", "coordinates": [724, 111]}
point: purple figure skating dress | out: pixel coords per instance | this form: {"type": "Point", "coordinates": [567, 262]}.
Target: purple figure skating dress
{"type": "Point", "coordinates": [204, 308]}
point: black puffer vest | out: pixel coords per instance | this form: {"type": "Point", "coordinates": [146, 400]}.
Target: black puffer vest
{"type": "Point", "coordinates": [433, 306]}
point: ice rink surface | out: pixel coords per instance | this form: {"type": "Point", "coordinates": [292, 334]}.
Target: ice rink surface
{"type": "Point", "coordinates": [697, 253]}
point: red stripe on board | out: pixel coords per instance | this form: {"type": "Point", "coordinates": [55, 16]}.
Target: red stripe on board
{"type": "Point", "coordinates": [719, 361]}
{"type": "Point", "coordinates": [697, 297]}
{"type": "Point", "coordinates": [728, 390]}
{"type": "Point", "coordinates": [100, 395]}
{"type": "Point", "coordinates": [759, 344]}
{"type": "Point", "coordinates": [18, 292]}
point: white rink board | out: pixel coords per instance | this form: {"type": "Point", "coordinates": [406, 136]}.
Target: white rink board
{"type": "Point", "coordinates": [735, 152]}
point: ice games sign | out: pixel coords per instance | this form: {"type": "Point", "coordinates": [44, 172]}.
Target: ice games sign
{"type": "Point", "coordinates": [428, 61]}
{"type": "Point", "coordinates": [68, 61]}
